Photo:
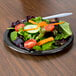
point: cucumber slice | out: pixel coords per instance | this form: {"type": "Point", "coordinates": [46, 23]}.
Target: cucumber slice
{"type": "Point", "coordinates": [30, 27]}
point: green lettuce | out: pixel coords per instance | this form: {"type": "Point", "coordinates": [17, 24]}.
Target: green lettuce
{"type": "Point", "coordinates": [65, 31]}
{"type": "Point", "coordinates": [38, 48]}
{"type": "Point", "coordinates": [61, 36]}
{"type": "Point", "coordinates": [66, 28]}
{"type": "Point", "coordinates": [13, 35]}
{"type": "Point", "coordinates": [27, 23]}
{"type": "Point", "coordinates": [48, 46]}
{"type": "Point", "coordinates": [39, 19]}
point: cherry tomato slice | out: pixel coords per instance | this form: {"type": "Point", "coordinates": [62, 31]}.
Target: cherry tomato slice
{"type": "Point", "coordinates": [30, 43]}
{"type": "Point", "coordinates": [17, 27]}
{"type": "Point", "coordinates": [49, 27]}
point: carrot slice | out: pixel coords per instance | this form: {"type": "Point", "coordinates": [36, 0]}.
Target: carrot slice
{"type": "Point", "coordinates": [45, 41]}
{"type": "Point", "coordinates": [58, 23]}
{"type": "Point", "coordinates": [32, 22]}
{"type": "Point", "coordinates": [43, 23]}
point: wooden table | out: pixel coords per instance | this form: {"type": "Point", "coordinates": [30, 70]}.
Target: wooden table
{"type": "Point", "coordinates": [16, 64]}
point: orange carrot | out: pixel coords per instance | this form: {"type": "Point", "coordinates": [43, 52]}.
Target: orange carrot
{"type": "Point", "coordinates": [43, 23]}
{"type": "Point", "coordinates": [57, 23]}
{"type": "Point", "coordinates": [32, 22]}
{"type": "Point", "coordinates": [45, 41]}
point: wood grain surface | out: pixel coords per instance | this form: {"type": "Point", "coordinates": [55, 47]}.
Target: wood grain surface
{"type": "Point", "coordinates": [16, 64]}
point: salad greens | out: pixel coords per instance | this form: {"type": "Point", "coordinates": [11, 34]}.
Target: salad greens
{"type": "Point", "coordinates": [65, 27]}
{"type": "Point", "coordinates": [66, 31]}
{"type": "Point", "coordinates": [38, 48]}
{"type": "Point", "coordinates": [13, 35]}
{"type": "Point", "coordinates": [47, 46]}
{"type": "Point", "coordinates": [59, 32]}
{"type": "Point", "coordinates": [61, 36]}
{"type": "Point", "coordinates": [39, 19]}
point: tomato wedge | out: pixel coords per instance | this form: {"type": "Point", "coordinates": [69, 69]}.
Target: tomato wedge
{"type": "Point", "coordinates": [30, 43]}
{"type": "Point", "coordinates": [17, 27]}
{"type": "Point", "coordinates": [49, 27]}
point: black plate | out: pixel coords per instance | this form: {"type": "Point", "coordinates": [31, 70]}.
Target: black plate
{"type": "Point", "coordinates": [15, 48]}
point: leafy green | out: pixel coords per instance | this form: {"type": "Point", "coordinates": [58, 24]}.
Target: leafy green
{"type": "Point", "coordinates": [13, 35]}
{"type": "Point", "coordinates": [47, 46]}
{"type": "Point", "coordinates": [27, 36]}
{"type": "Point", "coordinates": [21, 31]}
{"type": "Point", "coordinates": [61, 36]}
{"type": "Point", "coordinates": [65, 31]}
{"type": "Point", "coordinates": [66, 28]}
{"type": "Point", "coordinates": [40, 36]}
{"type": "Point", "coordinates": [33, 36]}
{"type": "Point", "coordinates": [39, 19]}
{"type": "Point", "coordinates": [38, 48]}
{"type": "Point", "coordinates": [48, 21]}
{"type": "Point", "coordinates": [27, 23]}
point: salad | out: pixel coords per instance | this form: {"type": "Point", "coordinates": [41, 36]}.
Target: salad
{"type": "Point", "coordinates": [35, 33]}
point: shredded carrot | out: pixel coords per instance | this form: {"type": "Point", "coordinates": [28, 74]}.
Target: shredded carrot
{"type": "Point", "coordinates": [43, 23]}
{"type": "Point", "coordinates": [32, 22]}
{"type": "Point", "coordinates": [57, 23]}
{"type": "Point", "coordinates": [45, 41]}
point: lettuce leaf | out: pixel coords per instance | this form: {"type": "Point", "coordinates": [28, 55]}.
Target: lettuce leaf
{"type": "Point", "coordinates": [27, 23]}
{"type": "Point", "coordinates": [66, 28]}
{"type": "Point", "coordinates": [38, 48]}
{"type": "Point", "coordinates": [48, 21]}
{"type": "Point", "coordinates": [27, 36]}
{"type": "Point", "coordinates": [47, 46]}
{"type": "Point", "coordinates": [61, 36]}
{"type": "Point", "coordinates": [13, 35]}
{"type": "Point", "coordinates": [65, 31]}
{"type": "Point", "coordinates": [21, 31]}
{"type": "Point", "coordinates": [39, 19]}
{"type": "Point", "coordinates": [40, 36]}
